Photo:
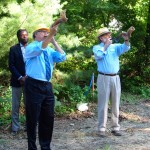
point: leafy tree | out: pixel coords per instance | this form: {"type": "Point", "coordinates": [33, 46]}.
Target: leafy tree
{"type": "Point", "coordinates": [78, 35]}
{"type": "Point", "coordinates": [86, 16]}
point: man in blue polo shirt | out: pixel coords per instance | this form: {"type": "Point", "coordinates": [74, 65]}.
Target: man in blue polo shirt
{"type": "Point", "coordinates": [40, 59]}
{"type": "Point", "coordinates": [108, 82]}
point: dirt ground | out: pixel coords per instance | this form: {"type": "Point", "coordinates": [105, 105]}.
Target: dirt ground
{"type": "Point", "coordinates": [78, 131]}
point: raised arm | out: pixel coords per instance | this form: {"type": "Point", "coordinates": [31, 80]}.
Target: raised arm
{"type": "Point", "coordinates": [53, 30]}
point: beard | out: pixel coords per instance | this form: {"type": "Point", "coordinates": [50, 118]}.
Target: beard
{"type": "Point", "coordinates": [23, 41]}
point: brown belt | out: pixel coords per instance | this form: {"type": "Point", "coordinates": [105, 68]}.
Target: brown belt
{"type": "Point", "coordinates": [105, 74]}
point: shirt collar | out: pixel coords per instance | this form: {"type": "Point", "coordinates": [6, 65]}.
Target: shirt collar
{"type": "Point", "coordinates": [22, 45]}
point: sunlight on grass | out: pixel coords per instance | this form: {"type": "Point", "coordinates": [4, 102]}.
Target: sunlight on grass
{"type": "Point", "coordinates": [130, 98]}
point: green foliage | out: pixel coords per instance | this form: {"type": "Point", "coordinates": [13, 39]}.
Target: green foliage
{"type": "Point", "coordinates": [22, 18]}
{"type": "Point", "coordinates": [22, 118]}
{"type": "Point", "coordinates": [131, 98]}
{"type": "Point", "coordinates": [73, 93]}
{"type": "Point", "coordinates": [139, 90]}
{"type": "Point", "coordinates": [80, 58]}
{"type": "Point", "coordinates": [68, 94]}
{"type": "Point", "coordinates": [72, 88]}
{"type": "Point", "coordinates": [85, 17]}
{"type": "Point", "coordinates": [4, 77]}
{"type": "Point", "coordinates": [77, 37]}
{"type": "Point", "coordinates": [106, 147]}
{"type": "Point", "coordinates": [5, 105]}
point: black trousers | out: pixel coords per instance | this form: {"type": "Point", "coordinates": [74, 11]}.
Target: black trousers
{"type": "Point", "coordinates": [39, 110]}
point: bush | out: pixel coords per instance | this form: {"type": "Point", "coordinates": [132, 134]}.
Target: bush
{"type": "Point", "coordinates": [5, 105]}
{"type": "Point", "coordinates": [68, 97]}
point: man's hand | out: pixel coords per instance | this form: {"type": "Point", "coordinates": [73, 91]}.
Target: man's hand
{"type": "Point", "coordinates": [63, 16]}
{"type": "Point", "coordinates": [127, 35]}
{"type": "Point", "coordinates": [22, 80]}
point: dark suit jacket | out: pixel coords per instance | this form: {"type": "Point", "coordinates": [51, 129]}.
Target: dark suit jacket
{"type": "Point", "coordinates": [16, 65]}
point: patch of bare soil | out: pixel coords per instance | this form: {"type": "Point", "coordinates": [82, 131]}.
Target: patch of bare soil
{"type": "Point", "coordinates": [78, 131]}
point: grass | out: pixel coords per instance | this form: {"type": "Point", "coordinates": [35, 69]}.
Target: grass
{"type": "Point", "coordinates": [131, 98]}
{"type": "Point", "coordinates": [106, 147]}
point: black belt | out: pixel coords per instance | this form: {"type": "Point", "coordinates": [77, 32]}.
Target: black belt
{"type": "Point", "coordinates": [105, 74]}
{"type": "Point", "coordinates": [37, 81]}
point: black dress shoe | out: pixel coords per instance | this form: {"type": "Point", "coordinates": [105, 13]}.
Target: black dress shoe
{"type": "Point", "coordinates": [14, 133]}
{"type": "Point", "coordinates": [102, 134]}
{"type": "Point", "coordinates": [116, 133]}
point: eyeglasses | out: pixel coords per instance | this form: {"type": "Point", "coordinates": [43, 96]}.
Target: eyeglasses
{"type": "Point", "coordinates": [45, 32]}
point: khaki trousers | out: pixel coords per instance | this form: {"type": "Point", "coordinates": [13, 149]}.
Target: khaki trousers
{"type": "Point", "coordinates": [109, 88]}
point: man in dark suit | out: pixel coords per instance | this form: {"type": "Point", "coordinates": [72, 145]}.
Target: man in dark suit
{"type": "Point", "coordinates": [18, 75]}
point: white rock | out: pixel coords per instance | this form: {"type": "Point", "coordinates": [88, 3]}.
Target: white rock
{"type": "Point", "coordinates": [82, 106]}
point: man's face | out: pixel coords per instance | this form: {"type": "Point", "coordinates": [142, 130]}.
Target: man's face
{"type": "Point", "coordinates": [41, 35]}
{"type": "Point", "coordinates": [105, 37]}
{"type": "Point", "coordinates": [23, 38]}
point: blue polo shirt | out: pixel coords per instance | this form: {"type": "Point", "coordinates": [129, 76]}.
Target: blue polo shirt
{"type": "Point", "coordinates": [108, 61]}
{"type": "Point", "coordinates": [35, 63]}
